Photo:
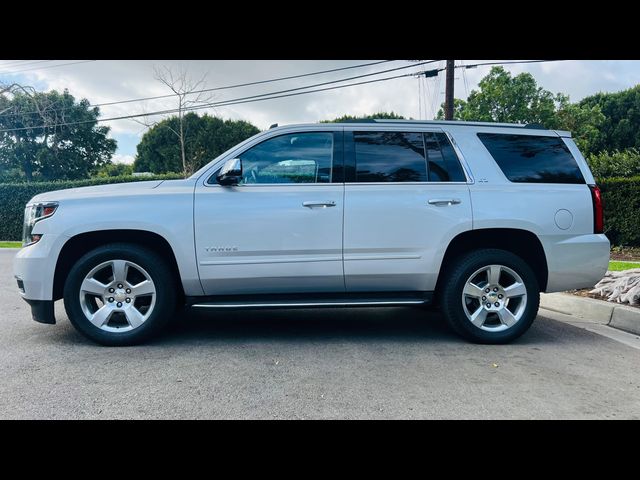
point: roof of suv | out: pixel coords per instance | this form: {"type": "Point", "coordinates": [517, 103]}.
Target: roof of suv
{"type": "Point", "coordinates": [457, 123]}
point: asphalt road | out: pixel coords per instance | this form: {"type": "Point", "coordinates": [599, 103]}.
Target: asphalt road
{"type": "Point", "coordinates": [330, 363]}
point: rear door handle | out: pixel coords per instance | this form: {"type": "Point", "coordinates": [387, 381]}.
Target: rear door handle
{"type": "Point", "coordinates": [442, 202]}
{"type": "Point", "coordinates": [317, 204]}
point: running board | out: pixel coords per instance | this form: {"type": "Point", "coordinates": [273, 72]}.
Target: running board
{"type": "Point", "coordinates": [300, 301]}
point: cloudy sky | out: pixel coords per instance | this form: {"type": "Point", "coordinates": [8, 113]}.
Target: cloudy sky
{"type": "Point", "coordinates": [105, 81]}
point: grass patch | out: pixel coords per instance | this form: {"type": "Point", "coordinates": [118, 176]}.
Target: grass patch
{"type": "Point", "coordinates": [619, 266]}
{"type": "Point", "coordinates": [10, 244]}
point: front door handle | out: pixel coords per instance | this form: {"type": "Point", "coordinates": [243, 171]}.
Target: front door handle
{"type": "Point", "coordinates": [317, 204]}
{"type": "Point", "coordinates": [442, 202]}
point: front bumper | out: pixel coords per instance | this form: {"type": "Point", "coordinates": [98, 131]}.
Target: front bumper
{"type": "Point", "coordinates": [35, 266]}
{"type": "Point", "coordinates": [42, 311]}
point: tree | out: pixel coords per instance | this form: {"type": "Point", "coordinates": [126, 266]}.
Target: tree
{"type": "Point", "coordinates": [50, 136]}
{"type": "Point", "coordinates": [385, 115]}
{"type": "Point", "coordinates": [205, 138]}
{"type": "Point", "coordinates": [518, 99]}
{"type": "Point", "coordinates": [621, 126]}
{"type": "Point", "coordinates": [503, 98]}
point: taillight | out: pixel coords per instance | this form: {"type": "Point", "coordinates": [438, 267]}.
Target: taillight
{"type": "Point", "coordinates": [598, 209]}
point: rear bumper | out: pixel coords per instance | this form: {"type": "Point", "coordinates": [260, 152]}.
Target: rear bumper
{"type": "Point", "coordinates": [575, 262]}
{"type": "Point", "coordinates": [42, 311]}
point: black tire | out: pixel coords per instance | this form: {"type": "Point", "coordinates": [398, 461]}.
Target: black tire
{"type": "Point", "coordinates": [455, 280]}
{"type": "Point", "coordinates": [166, 293]}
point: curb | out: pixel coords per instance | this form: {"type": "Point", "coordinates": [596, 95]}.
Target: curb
{"type": "Point", "coordinates": [586, 309]}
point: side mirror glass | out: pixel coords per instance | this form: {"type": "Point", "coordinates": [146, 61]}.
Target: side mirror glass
{"type": "Point", "coordinates": [230, 173]}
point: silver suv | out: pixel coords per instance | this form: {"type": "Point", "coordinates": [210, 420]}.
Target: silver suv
{"type": "Point", "coordinates": [476, 218]}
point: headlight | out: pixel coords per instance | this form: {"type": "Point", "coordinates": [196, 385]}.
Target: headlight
{"type": "Point", "coordinates": [32, 214]}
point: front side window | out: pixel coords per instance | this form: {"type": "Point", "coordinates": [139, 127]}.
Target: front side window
{"type": "Point", "coordinates": [291, 158]}
{"type": "Point", "coordinates": [532, 159]}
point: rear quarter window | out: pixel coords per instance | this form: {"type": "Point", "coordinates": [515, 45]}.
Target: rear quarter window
{"type": "Point", "coordinates": [532, 159]}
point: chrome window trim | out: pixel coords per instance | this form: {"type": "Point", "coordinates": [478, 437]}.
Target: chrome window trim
{"type": "Point", "coordinates": [461, 160]}
{"type": "Point", "coordinates": [322, 128]}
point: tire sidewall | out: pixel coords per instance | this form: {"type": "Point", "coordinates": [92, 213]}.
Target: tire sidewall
{"type": "Point", "coordinates": [469, 264]}
{"type": "Point", "coordinates": [156, 268]}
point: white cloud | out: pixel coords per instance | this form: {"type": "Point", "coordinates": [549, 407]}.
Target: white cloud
{"type": "Point", "coordinates": [119, 158]}
{"type": "Point", "coordinates": [109, 80]}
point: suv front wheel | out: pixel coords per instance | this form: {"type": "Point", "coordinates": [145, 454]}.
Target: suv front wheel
{"type": "Point", "coordinates": [490, 296]}
{"type": "Point", "coordinates": [120, 294]}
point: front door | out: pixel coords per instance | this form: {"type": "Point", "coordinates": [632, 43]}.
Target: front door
{"type": "Point", "coordinates": [280, 229]}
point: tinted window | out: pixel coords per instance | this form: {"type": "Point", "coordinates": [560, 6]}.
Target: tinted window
{"type": "Point", "coordinates": [389, 157]}
{"type": "Point", "coordinates": [528, 158]}
{"type": "Point", "coordinates": [444, 165]}
{"type": "Point", "coordinates": [293, 158]}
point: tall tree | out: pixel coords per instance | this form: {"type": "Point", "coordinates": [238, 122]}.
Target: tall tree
{"type": "Point", "coordinates": [50, 136]}
{"type": "Point", "coordinates": [518, 99]}
{"type": "Point", "coordinates": [505, 98]}
{"type": "Point", "coordinates": [205, 138]}
{"type": "Point", "coordinates": [621, 127]}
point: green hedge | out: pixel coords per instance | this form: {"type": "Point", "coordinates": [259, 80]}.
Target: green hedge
{"type": "Point", "coordinates": [14, 196]}
{"type": "Point", "coordinates": [621, 198]}
{"type": "Point", "coordinates": [621, 204]}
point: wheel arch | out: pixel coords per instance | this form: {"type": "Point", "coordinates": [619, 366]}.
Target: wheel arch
{"type": "Point", "coordinates": [522, 243]}
{"type": "Point", "coordinates": [78, 245]}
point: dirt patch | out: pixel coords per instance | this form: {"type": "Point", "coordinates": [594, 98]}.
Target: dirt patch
{"type": "Point", "coordinates": [626, 253]}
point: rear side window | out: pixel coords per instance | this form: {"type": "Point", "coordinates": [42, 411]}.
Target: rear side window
{"type": "Point", "coordinates": [389, 157]}
{"type": "Point", "coordinates": [405, 157]}
{"type": "Point", "coordinates": [444, 165]}
{"type": "Point", "coordinates": [532, 159]}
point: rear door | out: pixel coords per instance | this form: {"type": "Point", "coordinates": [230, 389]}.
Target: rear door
{"type": "Point", "coordinates": [406, 197]}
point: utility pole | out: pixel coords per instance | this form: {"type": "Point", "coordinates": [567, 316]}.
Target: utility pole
{"type": "Point", "coordinates": [448, 96]}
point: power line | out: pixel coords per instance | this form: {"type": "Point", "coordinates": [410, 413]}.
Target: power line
{"type": "Point", "coordinates": [267, 96]}
{"type": "Point", "coordinates": [211, 105]}
{"type": "Point", "coordinates": [227, 87]}
{"type": "Point", "coordinates": [287, 90]}
{"type": "Point", "coordinates": [259, 82]}
{"type": "Point", "coordinates": [42, 68]}
{"type": "Point", "coordinates": [22, 63]}
{"type": "Point", "coordinates": [507, 63]}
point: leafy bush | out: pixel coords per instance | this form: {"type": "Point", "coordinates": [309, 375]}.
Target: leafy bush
{"type": "Point", "coordinates": [625, 163]}
{"type": "Point", "coordinates": [14, 197]}
{"type": "Point", "coordinates": [621, 197]}
{"type": "Point", "coordinates": [114, 170]}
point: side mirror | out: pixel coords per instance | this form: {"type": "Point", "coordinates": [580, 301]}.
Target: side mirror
{"type": "Point", "coordinates": [230, 173]}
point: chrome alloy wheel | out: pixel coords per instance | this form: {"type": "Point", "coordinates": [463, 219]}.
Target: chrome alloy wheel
{"type": "Point", "coordinates": [494, 298]}
{"type": "Point", "coordinates": [117, 296]}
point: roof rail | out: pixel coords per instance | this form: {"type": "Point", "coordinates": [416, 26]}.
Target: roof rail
{"type": "Point", "coordinates": [450, 122]}
{"type": "Point", "coordinates": [535, 126]}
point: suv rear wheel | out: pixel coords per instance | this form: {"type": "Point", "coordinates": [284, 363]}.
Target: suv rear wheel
{"type": "Point", "coordinates": [490, 296]}
{"type": "Point", "coordinates": [120, 294]}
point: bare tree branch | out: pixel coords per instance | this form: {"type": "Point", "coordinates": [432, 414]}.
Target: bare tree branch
{"type": "Point", "coordinates": [182, 86]}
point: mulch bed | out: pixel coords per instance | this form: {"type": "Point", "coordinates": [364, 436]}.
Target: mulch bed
{"type": "Point", "coordinates": [626, 254]}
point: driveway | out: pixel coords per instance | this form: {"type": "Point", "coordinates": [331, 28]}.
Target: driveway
{"type": "Point", "coordinates": [330, 363]}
